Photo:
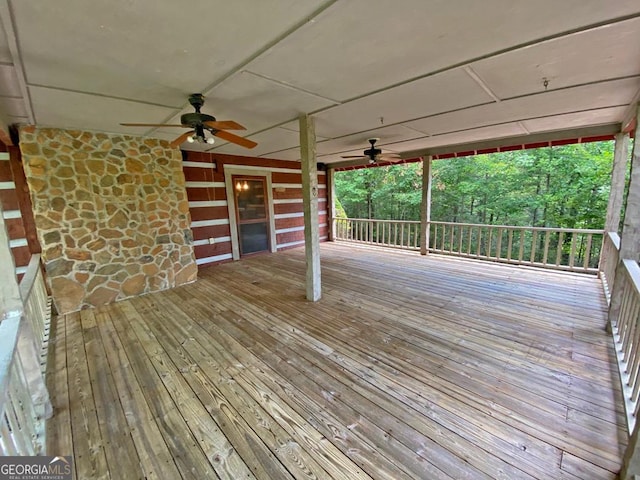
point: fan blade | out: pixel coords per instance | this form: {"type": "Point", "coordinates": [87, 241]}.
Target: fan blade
{"type": "Point", "coordinates": [230, 137]}
{"type": "Point", "coordinates": [224, 125]}
{"type": "Point", "coordinates": [389, 157]}
{"type": "Point", "coordinates": [181, 139]}
{"type": "Point", "coordinates": [353, 156]}
{"type": "Point", "coordinates": [152, 125]}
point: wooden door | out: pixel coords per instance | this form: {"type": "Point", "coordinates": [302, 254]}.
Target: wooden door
{"type": "Point", "coordinates": [252, 214]}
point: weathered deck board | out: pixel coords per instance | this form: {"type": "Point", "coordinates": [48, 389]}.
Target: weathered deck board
{"type": "Point", "coordinates": [409, 367]}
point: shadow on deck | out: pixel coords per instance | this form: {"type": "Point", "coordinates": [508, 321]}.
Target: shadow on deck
{"type": "Point", "coordinates": [409, 367]}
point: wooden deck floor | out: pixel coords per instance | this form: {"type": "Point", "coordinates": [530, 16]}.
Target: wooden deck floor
{"type": "Point", "coordinates": [409, 367]}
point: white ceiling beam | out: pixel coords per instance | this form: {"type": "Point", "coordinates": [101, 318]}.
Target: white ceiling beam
{"type": "Point", "coordinates": [559, 135]}
{"type": "Point", "coordinates": [292, 87]}
{"type": "Point", "coordinates": [481, 83]}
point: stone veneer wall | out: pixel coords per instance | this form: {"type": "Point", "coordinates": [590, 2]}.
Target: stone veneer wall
{"type": "Point", "coordinates": [111, 212]}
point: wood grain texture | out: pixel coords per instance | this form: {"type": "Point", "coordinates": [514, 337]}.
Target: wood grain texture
{"type": "Point", "coordinates": [409, 367]}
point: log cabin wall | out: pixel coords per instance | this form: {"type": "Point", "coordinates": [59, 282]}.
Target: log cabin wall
{"type": "Point", "coordinates": [16, 208]}
{"type": "Point", "coordinates": [205, 181]}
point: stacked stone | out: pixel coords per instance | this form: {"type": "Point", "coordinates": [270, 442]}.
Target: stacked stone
{"type": "Point", "coordinates": [111, 212]}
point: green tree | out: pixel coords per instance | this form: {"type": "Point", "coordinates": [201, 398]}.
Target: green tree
{"type": "Point", "coordinates": [564, 186]}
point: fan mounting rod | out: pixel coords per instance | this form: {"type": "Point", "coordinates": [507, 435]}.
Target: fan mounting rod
{"type": "Point", "coordinates": [197, 101]}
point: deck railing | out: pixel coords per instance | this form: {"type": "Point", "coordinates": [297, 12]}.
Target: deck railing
{"type": "Point", "coordinates": [24, 401]}
{"type": "Point", "coordinates": [388, 233]}
{"type": "Point", "coordinates": [556, 248]}
{"type": "Point", "coordinates": [626, 336]}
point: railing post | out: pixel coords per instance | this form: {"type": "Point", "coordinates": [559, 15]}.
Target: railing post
{"type": "Point", "coordinates": [310, 205]}
{"type": "Point", "coordinates": [630, 238]}
{"type": "Point", "coordinates": [616, 193]}
{"type": "Point", "coordinates": [331, 207]}
{"type": "Point", "coordinates": [425, 208]}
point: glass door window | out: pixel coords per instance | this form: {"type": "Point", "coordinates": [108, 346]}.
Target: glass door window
{"type": "Point", "coordinates": [251, 214]}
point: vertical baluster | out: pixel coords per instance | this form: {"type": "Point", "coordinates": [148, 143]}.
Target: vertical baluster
{"type": "Point", "coordinates": [545, 254]}
{"type": "Point", "coordinates": [633, 371]}
{"type": "Point", "coordinates": [470, 242]}
{"type": "Point", "coordinates": [9, 448]}
{"type": "Point", "coordinates": [479, 240]}
{"type": "Point", "coordinates": [452, 238]}
{"type": "Point", "coordinates": [499, 244]}
{"type": "Point", "coordinates": [587, 251]}
{"type": "Point", "coordinates": [633, 351]}
{"type": "Point", "coordinates": [444, 237]}
{"type": "Point", "coordinates": [622, 317]}
{"type": "Point", "coordinates": [489, 241]}
{"type": "Point", "coordinates": [572, 254]}
{"type": "Point", "coordinates": [402, 234]}
{"type": "Point", "coordinates": [534, 244]}
{"type": "Point", "coordinates": [626, 323]}
{"type": "Point", "coordinates": [510, 244]}
{"type": "Point", "coordinates": [435, 236]}
{"type": "Point", "coordinates": [632, 328]}
{"type": "Point", "coordinates": [15, 413]}
{"type": "Point", "coordinates": [559, 252]}
{"type": "Point", "coordinates": [634, 359]}
{"type": "Point", "coordinates": [521, 247]}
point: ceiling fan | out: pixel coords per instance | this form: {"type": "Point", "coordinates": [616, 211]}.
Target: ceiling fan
{"type": "Point", "coordinates": [199, 122]}
{"type": "Point", "coordinates": [375, 155]}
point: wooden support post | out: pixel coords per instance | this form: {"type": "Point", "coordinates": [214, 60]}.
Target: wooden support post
{"type": "Point", "coordinates": [616, 194]}
{"type": "Point", "coordinates": [629, 249]}
{"type": "Point", "coordinates": [310, 202]}
{"type": "Point", "coordinates": [331, 200]}
{"type": "Point", "coordinates": [10, 301]}
{"type": "Point", "coordinates": [425, 208]}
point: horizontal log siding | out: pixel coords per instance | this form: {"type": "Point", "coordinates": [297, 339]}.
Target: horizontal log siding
{"type": "Point", "coordinates": [12, 214]}
{"type": "Point", "coordinates": [209, 210]}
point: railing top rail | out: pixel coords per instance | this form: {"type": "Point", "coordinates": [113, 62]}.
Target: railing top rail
{"type": "Point", "coordinates": [519, 227]}
{"type": "Point", "coordinates": [29, 278]}
{"type": "Point", "coordinates": [9, 329]}
{"type": "Point", "coordinates": [615, 239]}
{"type": "Point", "coordinates": [593, 231]}
{"type": "Point", "coordinates": [633, 270]}
{"type": "Point", "coordinates": [416, 222]}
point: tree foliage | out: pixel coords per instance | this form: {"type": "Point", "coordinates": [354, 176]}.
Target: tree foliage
{"type": "Point", "coordinates": [565, 186]}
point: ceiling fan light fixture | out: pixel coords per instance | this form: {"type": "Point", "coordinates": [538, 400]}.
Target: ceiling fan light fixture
{"type": "Point", "coordinates": [211, 140]}
{"type": "Point", "coordinates": [191, 138]}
